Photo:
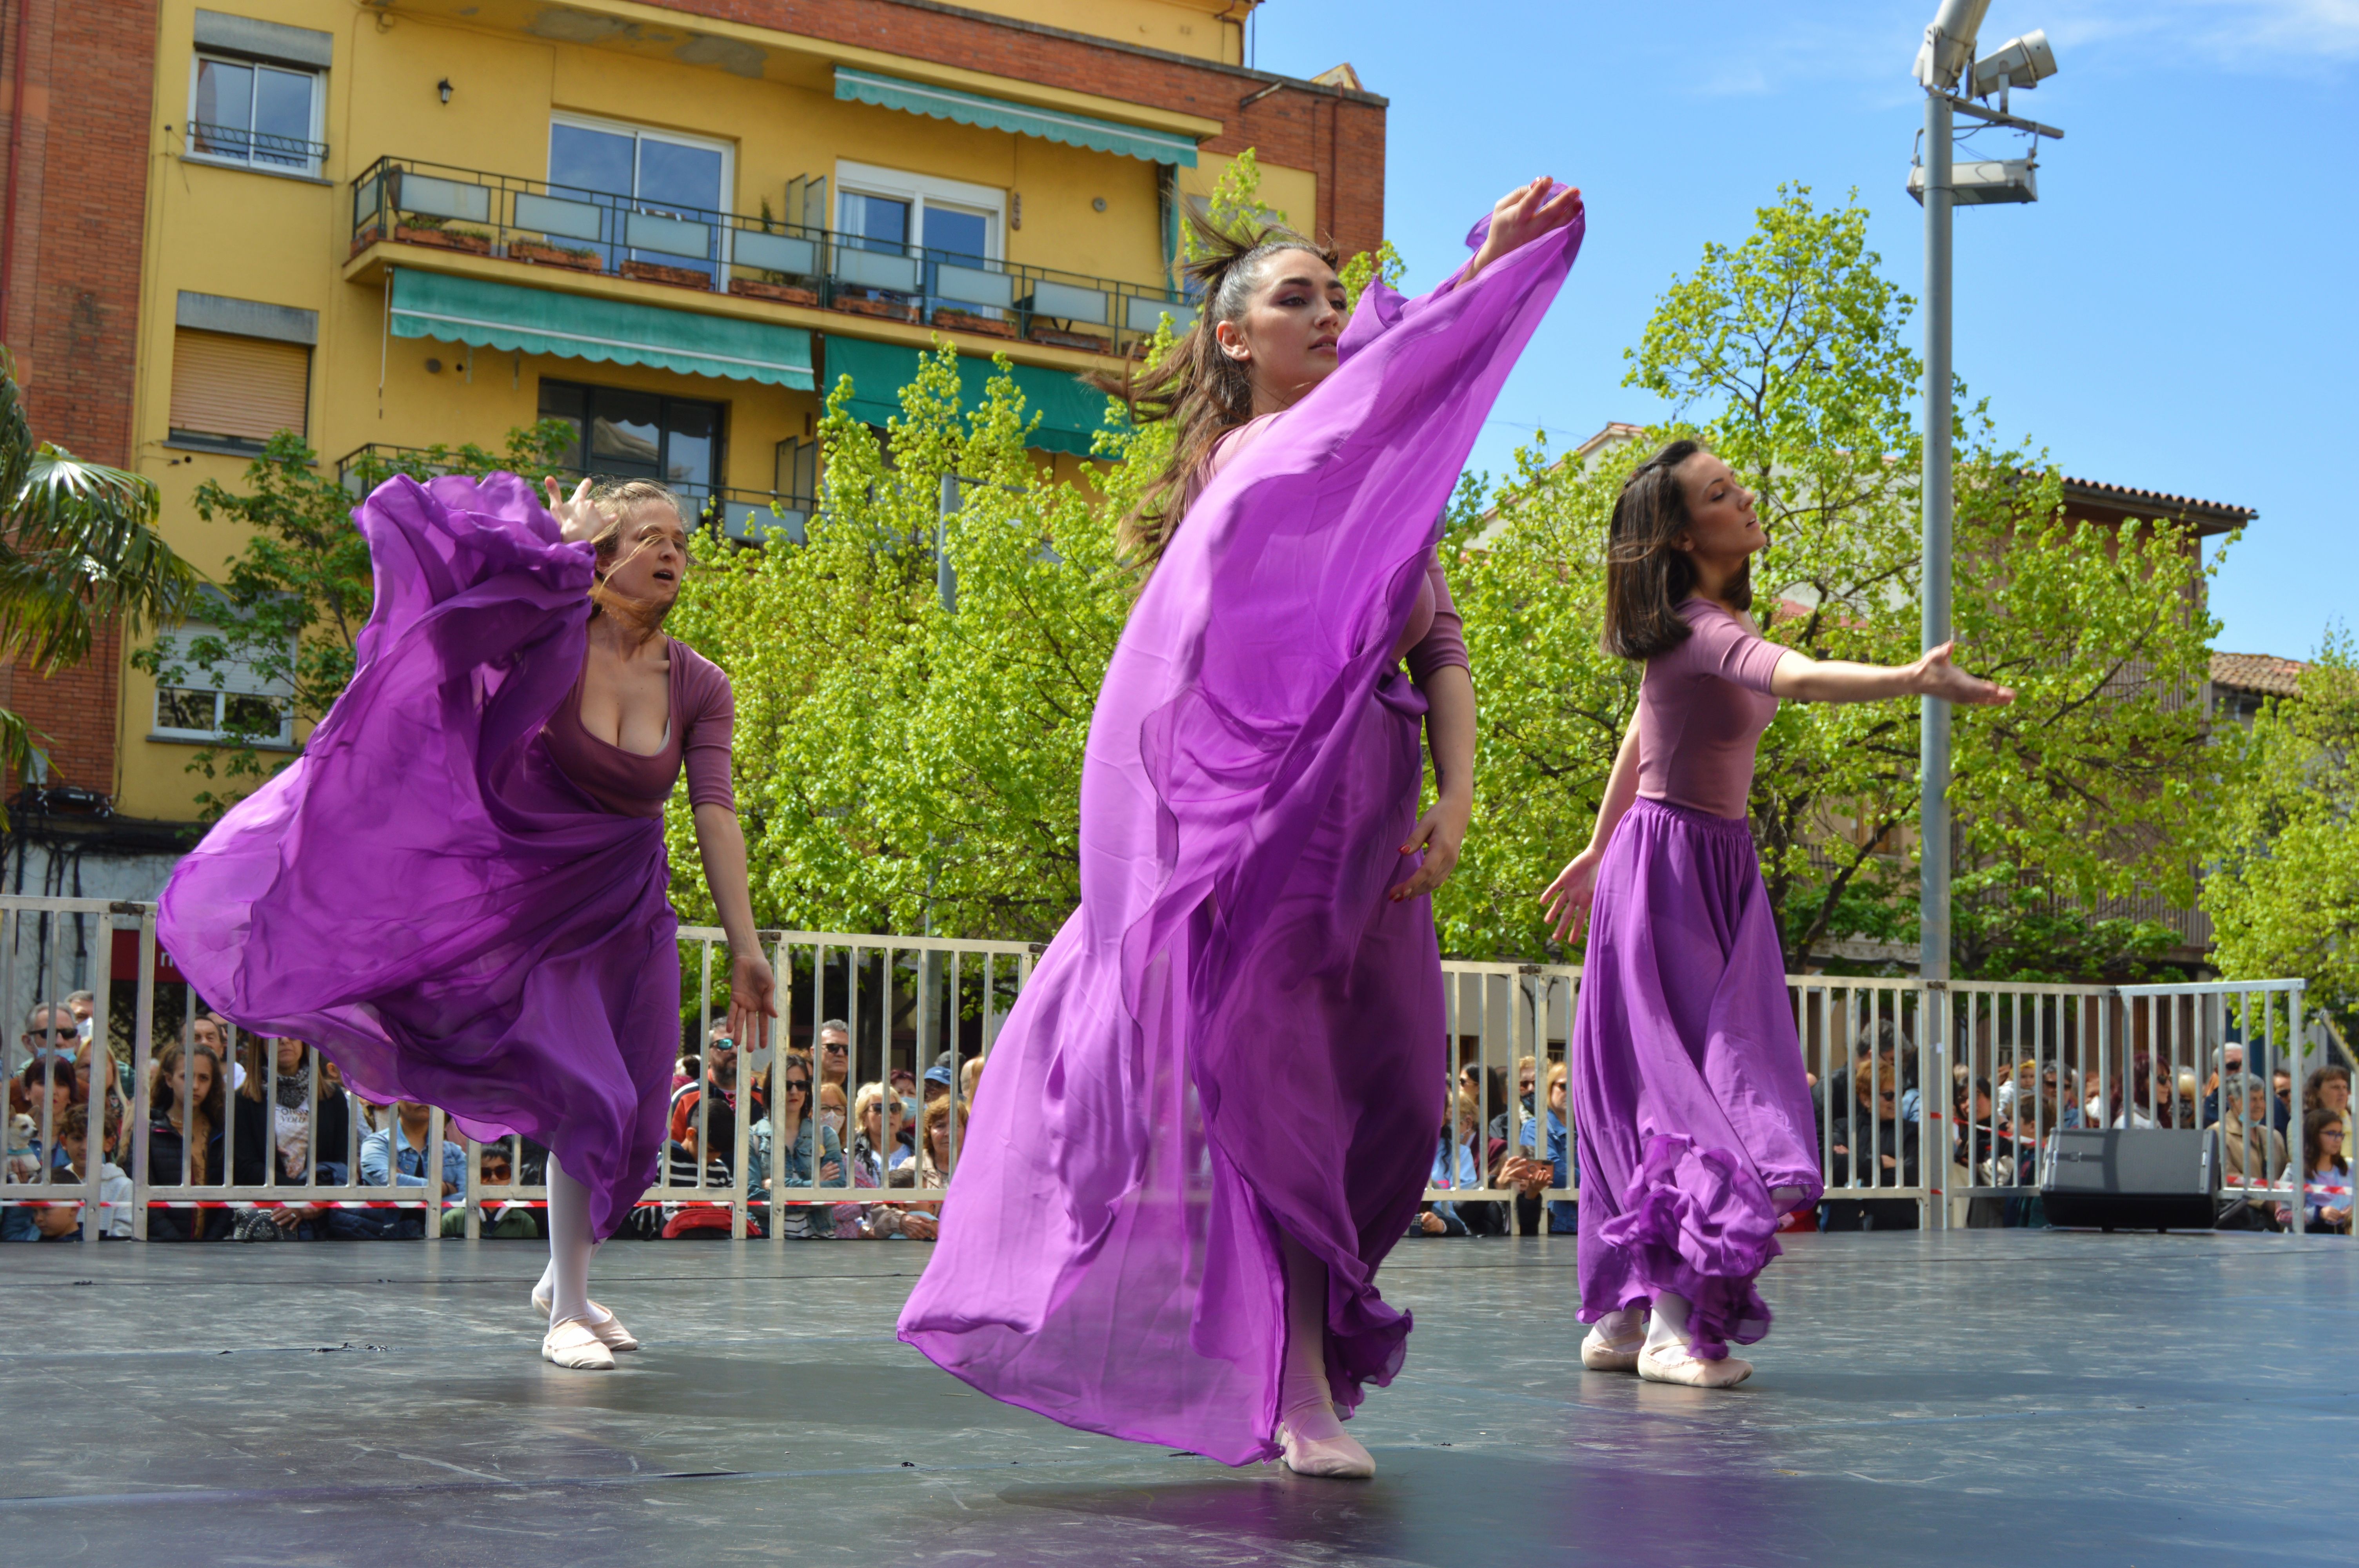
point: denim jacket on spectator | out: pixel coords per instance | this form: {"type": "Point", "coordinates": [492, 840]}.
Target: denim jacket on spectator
{"type": "Point", "coordinates": [375, 1159]}
{"type": "Point", "coordinates": [796, 1166]}
{"type": "Point", "coordinates": [1561, 1211]}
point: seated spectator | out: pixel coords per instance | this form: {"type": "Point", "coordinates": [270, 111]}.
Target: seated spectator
{"type": "Point", "coordinates": [696, 1220]}
{"type": "Point", "coordinates": [187, 1140]}
{"type": "Point", "coordinates": [2251, 1151]}
{"type": "Point", "coordinates": [2228, 1061]}
{"type": "Point", "coordinates": [1556, 1169]}
{"type": "Point", "coordinates": [2325, 1176]}
{"type": "Point", "coordinates": [504, 1219]}
{"type": "Point", "coordinates": [713, 1096]}
{"type": "Point", "coordinates": [935, 1157]}
{"type": "Point", "coordinates": [1455, 1165]}
{"type": "Point", "coordinates": [84, 1005]}
{"type": "Point", "coordinates": [876, 1152]}
{"type": "Point", "coordinates": [46, 1090]}
{"type": "Point", "coordinates": [49, 1027]}
{"type": "Point", "coordinates": [394, 1155]}
{"type": "Point", "coordinates": [2329, 1088]}
{"type": "Point", "coordinates": [835, 1116]}
{"type": "Point", "coordinates": [62, 1222]}
{"type": "Point", "coordinates": [939, 1079]}
{"type": "Point", "coordinates": [304, 1124]}
{"type": "Point", "coordinates": [1871, 1147]}
{"type": "Point", "coordinates": [2281, 1100]}
{"type": "Point", "coordinates": [792, 1147]}
{"type": "Point", "coordinates": [969, 1075]}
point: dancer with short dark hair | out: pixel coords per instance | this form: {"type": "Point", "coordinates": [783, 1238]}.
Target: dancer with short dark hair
{"type": "Point", "coordinates": [1213, 1109]}
{"type": "Point", "coordinates": [1692, 1113]}
{"type": "Point", "coordinates": [458, 892]}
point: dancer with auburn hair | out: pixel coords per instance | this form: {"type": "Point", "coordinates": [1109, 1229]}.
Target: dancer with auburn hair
{"type": "Point", "coordinates": [1692, 1113]}
{"type": "Point", "coordinates": [458, 892]}
{"type": "Point", "coordinates": [1212, 1111]}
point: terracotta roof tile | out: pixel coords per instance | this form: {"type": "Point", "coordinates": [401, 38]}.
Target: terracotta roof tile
{"type": "Point", "coordinates": [2133, 495]}
{"type": "Point", "coordinates": [2263, 673]}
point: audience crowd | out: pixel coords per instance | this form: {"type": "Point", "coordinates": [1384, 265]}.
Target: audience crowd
{"type": "Point", "coordinates": [836, 1159]}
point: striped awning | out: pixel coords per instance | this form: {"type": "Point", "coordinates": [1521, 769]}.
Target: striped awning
{"type": "Point", "coordinates": [1023, 119]}
{"type": "Point", "coordinates": [611, 331]}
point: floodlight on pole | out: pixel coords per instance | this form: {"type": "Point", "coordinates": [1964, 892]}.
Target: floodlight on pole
{"type": "Point", "coordinates": [2023, 62]}
{"type": "Point", "coordinates": [1949, 45]}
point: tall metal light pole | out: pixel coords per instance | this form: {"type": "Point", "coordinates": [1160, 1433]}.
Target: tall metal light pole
{"type": "Point", "coordinates": [1941, 183]}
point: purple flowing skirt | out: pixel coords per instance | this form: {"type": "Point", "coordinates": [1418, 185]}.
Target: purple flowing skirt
{"type": "Point", "coordinates": [422, 895]}
{"type": "Point", "coordinates": [1237, 1037]}
{"type": "Point", "coordinates": [1689, 1099]}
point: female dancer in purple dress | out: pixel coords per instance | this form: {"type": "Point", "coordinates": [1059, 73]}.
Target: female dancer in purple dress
{"type": "Point", "coordinates": [1691, 1112]}
{"type": "Point", "coordinates": [1211, 1113]}
{"type": "Point", "coordinates": [458, 891]}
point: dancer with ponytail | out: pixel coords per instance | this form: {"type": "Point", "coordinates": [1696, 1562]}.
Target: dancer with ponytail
{"type": "Point", "coordinates": [1692, 1113]}
{"type": "Point", "coordinates": [1211, 1113]}
{"type": "Point", "coordinates": [458, 891]}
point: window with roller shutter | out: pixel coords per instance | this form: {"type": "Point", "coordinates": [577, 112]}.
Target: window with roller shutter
{"type": "Point", "coordinates": [237, 392]}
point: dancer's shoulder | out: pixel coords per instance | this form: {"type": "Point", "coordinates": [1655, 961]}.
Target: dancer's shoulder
{"type": "Point", "coordinates": [703, 684]}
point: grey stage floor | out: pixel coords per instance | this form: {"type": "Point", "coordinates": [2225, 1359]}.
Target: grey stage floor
{"type": "Point", "coordinates": [1984, 1397]}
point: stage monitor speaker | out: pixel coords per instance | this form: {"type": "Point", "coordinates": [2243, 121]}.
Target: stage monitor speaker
{"type": "Point", "coordinates": [2156, 1178]}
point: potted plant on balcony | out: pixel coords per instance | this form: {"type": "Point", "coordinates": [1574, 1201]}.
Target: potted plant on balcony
{"type": "Point", "coordinates": [579, 258]}
{"type": "Point", "coordinates": [416, 229]}
{"type": "Point", "coordinates": [960, 320]}
{"type": "Point", "coordinates": [889, 306]}
{"type": "Point", "coordinates": [1066, 336]}
{"type": "Point", "coordinates": [677, 276]}
{"type": "Point", "coordinates": [773, 286]}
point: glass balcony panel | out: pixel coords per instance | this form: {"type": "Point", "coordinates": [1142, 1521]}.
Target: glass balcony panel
{"type": "Point", "coordinates": [1067, 302]}
{"type": "Point", "coordinates": [973, 285]}
{"type": "Point", "coordinates": [558, 219]}
{"type": "Point", "coordinates": [875, 269]}
{"type": "Point", "coordinates": [773, 253]}
{"type": "Point", "coordinates": [431, 198]}
{"type": "Point", "coordinates": [1141, 315]}
{"type": "Point", "coordinates": [667, 236]}
{"type": "Point", "coordinates": [365, 197]}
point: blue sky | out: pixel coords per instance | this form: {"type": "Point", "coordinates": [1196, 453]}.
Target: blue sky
{"type": "Point", "coordinates": [2175, 313]}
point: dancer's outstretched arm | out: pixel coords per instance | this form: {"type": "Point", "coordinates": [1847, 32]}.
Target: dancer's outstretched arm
{"type": "Point", "coordinates": [1806, 679]}
{"type": "Point", "coordinates": [1449, 735]}
{"type": "Point", "coordinates": [721, 844]}
{"type": "Point", "coordinates": [1566, 901]}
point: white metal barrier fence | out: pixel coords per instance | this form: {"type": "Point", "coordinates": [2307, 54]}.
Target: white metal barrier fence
{"type": "Point", "coordinates": [783, 1141]}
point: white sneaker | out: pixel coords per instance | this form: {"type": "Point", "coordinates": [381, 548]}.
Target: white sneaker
{"type": "Point", "coordinates": [574, 1346]}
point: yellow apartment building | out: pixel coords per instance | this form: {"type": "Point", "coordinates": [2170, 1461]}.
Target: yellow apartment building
{"type": "Point", "coordinates": [392, 225]}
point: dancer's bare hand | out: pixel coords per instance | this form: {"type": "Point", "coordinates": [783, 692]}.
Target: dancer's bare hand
{"type": "Point", "coordinates": [752, 999]}
{"type": "Point", "coordinates": [1523, 215]}
{"type": "Point", "coordinates": [1441, 833]}
{"type": "Point", "coordinates": [576, 518]}
{"type": "Point", "coordinates": [1936, 676]}
{"type": "Point", "coordinates": [1565, 901]}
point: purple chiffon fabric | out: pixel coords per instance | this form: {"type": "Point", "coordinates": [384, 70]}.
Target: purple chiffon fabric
{"type": "Point", "coordinates": [1238, 1033]}
{"type": "Point", "coordinates": [1689, 1097]}
{"type": "Point", "coordinates": [422, 893]}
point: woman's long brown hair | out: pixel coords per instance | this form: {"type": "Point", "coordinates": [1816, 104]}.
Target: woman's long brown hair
{"type": "Point", "coordinates": [1648, 578]}
{"type": "Point", "coordinates": [1201, 390]}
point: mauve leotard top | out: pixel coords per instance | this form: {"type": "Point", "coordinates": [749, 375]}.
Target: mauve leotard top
{"type": "Point", "coordinates": [696, 733]}
{"type": "Point", "coordinates": [1435, 637]}
{"type": "Point", "coordinates": [1702, 709]}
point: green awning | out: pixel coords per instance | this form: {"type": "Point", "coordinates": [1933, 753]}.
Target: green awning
{"type": "Point", "coordinates": [612, 331]}
{"type": "Point", "coordinates": [1024, 119]}
{"type": "Point", "coordinates": [1071, 413]}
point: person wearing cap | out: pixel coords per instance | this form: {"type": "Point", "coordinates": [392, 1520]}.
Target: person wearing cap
{"type": "Point", "coordinates": [937, 1081]}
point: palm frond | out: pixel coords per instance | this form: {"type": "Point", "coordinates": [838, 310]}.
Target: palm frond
{"type": "Point", "coordinates": [81, 547]}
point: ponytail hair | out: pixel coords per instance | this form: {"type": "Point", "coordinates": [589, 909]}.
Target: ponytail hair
{"type": "Point", "coordinates": [1648, 578]}
{"type": "Point", "coordinates": [1201, 390]}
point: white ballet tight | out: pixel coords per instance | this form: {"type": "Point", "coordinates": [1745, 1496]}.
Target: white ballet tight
{"type": "Point", "coordinates": [1671, 1325]}
{"type": "Point", "coordinates": [566, 1278]}
{"type": "Point", "coordinates": [1304, 1401]}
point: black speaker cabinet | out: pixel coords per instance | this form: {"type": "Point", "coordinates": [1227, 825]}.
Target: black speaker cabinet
{"type": "Point", "coordinates": [2131, 1178]}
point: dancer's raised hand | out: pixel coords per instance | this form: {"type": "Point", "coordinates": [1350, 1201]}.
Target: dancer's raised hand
{"type": "Point", "coordinates": [1936, 676]}
{"type": "Point", "coordinates": [576, 518]}
{"type": "Point", "coordinates": [1565, 901]}
{"type": "Point", "coordinates": [1523, 215]}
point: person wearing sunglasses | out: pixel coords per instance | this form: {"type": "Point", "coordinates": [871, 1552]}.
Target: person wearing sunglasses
{"type": "Point", "coordinates": [793, 1148]}
{"type": "Point", "coordinates": [1872, 1145]}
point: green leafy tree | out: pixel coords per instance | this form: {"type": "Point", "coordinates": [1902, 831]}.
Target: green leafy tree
{"type": "Point", "coordinates": [79, 550]}
{"type": "Point", "coordinates": [2284, 897]}
{"type": "Point", "coordinates": [1785, 352]}
{"type": "Point", "coordinates": [296, 595]}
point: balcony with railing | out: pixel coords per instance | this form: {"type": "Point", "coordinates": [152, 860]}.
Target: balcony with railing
{"type": "Point", "coordinates": [747, 516]}
{"type": "Point", "coordinates": [533, 222]}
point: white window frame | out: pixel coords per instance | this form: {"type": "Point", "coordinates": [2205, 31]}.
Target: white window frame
{"type": "Point", "coordinates": [638, 132]}
{"type": "Point", "coordinates": [237, 679]}
{"type": "Point", "coordinates": [316, 134]}
{"type": "Point", "coordinates": [919, 190]}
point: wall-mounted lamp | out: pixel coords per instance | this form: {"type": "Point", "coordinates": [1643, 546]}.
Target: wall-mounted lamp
{"type": "Point", "coordinates": [443, 87]}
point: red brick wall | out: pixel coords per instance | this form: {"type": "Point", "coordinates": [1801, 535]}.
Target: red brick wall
{"type": "Point", "coordinates": [1337, 134]}
{"type": "Point", "coordinates": [71, 313]}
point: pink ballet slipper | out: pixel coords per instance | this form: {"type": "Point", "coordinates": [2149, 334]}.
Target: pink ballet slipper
{"type": "Point", "coordinates": [1599, 1354]}
{"type": "Point", "coordinates": [574, 1346]}
{"type": "Point", "coordinates": [1337, 1457]}
{"type": "Point", "coordinates": [606, 1326]}
{"type": "Point", "coordinates": [1676, 1363]}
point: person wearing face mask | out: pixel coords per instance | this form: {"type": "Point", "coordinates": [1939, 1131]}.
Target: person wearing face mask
{"type": "Point", "coordinates": [1694, 1120]}
{"type": "Point", "coordinates": [1223, 1080]}
{"type": "Point", "coordinates": [458, 892]}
